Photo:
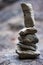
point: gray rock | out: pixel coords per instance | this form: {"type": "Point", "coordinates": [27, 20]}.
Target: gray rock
{"type": "Point", "coordinates": [23, 44]}
{"type": "Point", "coordinates": [25, 47]}
{"type": "Point", "coordinates": [28, 14]}
{"type": "Point", "coordinates": [28, 44]}
{"type": "Point", "coordinates": [29, 39]}
{"type": "Point", "coordinates": [26, 31]}
{"type": "Point", "coordinates": [32, 38]}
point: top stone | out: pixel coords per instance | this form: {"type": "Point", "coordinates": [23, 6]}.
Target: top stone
{"type": "Point", "coordinates": [28, 15]}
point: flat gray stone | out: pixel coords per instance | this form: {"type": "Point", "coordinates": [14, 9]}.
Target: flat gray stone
{"type": "Point", "coordinates": [26, 31]}
{"type": "Point", "coordinates": [28, 44]}
{"type": "Point", "coordinates": [25, 47]}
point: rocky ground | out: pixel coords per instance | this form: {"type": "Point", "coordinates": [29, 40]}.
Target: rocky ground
{"type": "Point", "coordinates": [11, 21]}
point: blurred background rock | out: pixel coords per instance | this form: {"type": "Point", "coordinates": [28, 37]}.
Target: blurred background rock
{"type": "Point", "coordinates": [37, 6]}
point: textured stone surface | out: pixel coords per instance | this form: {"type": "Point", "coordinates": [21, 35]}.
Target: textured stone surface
{"type": "Point", "coordinates": [26, 31]}
{"type": "Point", "coordinates": [27, 54]}
{"type": "Point", "coordinates": [28, 39]}
{"type": "Point", "coordinates": [13, 59]}
{"type": "Point", "coordinates": [28, 44]}
{"type": "Point", "coordinates": [24, 47]}
{"type": "Point", "coordinates": [28, 14]}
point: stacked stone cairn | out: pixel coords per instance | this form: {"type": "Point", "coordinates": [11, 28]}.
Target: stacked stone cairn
{"type": "Point", "coordinates": [27, 47]}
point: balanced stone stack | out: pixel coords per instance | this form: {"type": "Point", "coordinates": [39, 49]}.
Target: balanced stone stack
{"type": "Point", "coordinates": [27, 48]}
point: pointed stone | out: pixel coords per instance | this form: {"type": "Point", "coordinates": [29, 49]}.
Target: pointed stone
{"type": "Point", "coordinates": [28, 15]}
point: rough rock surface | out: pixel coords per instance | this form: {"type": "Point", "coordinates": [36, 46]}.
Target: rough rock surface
{"type": "Point", "coordinates": [28, 14]}
{"type": "Point", "coordinates": [28, 39]}
{"type": "Point", "coordinates": [26, 31]}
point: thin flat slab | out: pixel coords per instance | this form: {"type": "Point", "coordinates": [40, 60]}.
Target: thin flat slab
{"type": "Point", "coordinates": [27, 44]}
{"type": "Point", "coordinates": [25, 47]}
{"type": "Point", "coordinates": [26, 31]}
{"type": "Point", "coordinates": [27, 54]}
